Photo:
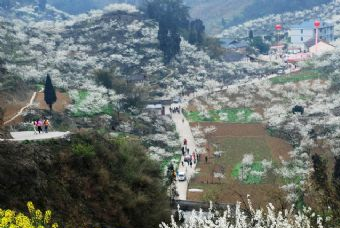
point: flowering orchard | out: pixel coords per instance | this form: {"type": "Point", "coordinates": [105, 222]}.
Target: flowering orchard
{"type": "Point", "coordinates": [259, 218]}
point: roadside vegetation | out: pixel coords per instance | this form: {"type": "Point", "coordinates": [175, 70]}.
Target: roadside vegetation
{"type": "Point", "coordinates": [88, 181]}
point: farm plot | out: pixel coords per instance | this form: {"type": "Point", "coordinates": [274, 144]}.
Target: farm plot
{"type": "Point", "coordinates": [241, 161]}
{"type": "Point", "coordinates": [228, 115]}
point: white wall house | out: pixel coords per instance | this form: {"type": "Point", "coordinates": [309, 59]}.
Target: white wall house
{"type": "Point", "coordinates": [305, 31]}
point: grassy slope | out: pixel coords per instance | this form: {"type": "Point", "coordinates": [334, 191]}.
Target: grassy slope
{"type": "Point", "coordinates": [231, 113]}
{"type": "Point", "coordinates": [296, 77]}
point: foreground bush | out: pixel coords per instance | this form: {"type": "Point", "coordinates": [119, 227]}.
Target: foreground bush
{"type": "Point", "coordinates": [35, 219]}
{"type": "Point", "coordinates": [116, 186]}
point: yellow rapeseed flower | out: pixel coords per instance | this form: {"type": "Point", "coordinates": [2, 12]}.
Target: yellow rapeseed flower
{"type": "Point", "coordinates": [54, 225]}
{"type": "Point", "coordinates": [38, 215]}
{"type": "Point", "coordinates": [9, 214]}
{"type": "Point", "coordinates": [30, 207]}
{"type": "Point", "coordinates": [13, 226]}
{"type": "Point", "coordinates": [47, 217]}
{"type": "Point", "coordinates": [4, 222]}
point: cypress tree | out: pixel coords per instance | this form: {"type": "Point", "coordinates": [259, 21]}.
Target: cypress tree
{"type": "Point", "coordinates": [49, 92]}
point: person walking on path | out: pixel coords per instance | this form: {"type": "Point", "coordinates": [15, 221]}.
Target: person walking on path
{"type": "Point", "coordinates": [46, 124]}
{"type": "Point", "coordinates": [35, 127]}
{"type": "Point", "coordinates": [206, 159]}
{"type": "Point", "coordinates": [39, 124]}
{"type": "Point", "coordinates": [185, 142]}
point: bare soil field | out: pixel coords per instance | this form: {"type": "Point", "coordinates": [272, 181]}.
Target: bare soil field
{"type": "Point", "coordinates": [13, 102]}
{"type": "Point", "coordinates": [235, 140]}
{"type": "Point", "coordinates": [63, 101]}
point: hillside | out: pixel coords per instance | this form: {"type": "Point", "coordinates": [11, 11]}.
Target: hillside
{"type": "Point", "coordinates": [118, 38]}
{"type": "Point", "coordinates": [266, 24]}
{"type": "Point", "coordinates": [87, 181]}
{"type": "Point", "coordinates": [233, 12]}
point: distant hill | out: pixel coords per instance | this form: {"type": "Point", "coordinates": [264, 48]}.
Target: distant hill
{"type": "Point", "coordinates": [225, 13]}
{"type": "Point", "coordinates": [265, 25]}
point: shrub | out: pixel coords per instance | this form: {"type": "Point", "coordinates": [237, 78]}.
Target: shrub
{"type": "Point", "coordinates": [84, 150]}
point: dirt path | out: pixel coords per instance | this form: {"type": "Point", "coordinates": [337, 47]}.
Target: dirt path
{"type": "Point", "coordinates": [22, 109]}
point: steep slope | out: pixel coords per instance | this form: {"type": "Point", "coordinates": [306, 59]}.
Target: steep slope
{"type": "Point", "coordinates": [119, 38]}
{"type": "Point", "coordinates": [87, 181]}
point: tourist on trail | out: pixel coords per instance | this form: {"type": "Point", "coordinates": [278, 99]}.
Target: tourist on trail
{"type": "Point", "coordinates": [183, 150]}
{"type": "Point", "coordinates": [46, 124]}
{"type": "Point", "coordinates": [183, 163]}
{"type": "Point", "coordinates": [35, 127]}
{"type": "Point", "coordinates": [206, 159]}
{"type": "Point", "coordinates": [185, 142]}
{"type": "Point", "coordinates": [39, 124]}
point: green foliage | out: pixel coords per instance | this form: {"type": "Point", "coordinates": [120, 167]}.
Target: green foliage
{"type": "Point", "coordinates": [172, 16]}
{"type": "Point", "coordinates": [49, 92]}
{"type": "Point", "coordinates": [196, 32]}
{"type": "Point", "coordinates": [212, 46]}
{"type": "Point", "coordinates": [104, 78]}
{"type": "Point", "coordinates": [118, 185]}
{"type": "Point", "coordinates": [233, 115]}
{"type": "Point", "coordinates": [248, 178]}
{"type": "Point", "coordinates": [257, 42]}
{"type": "Point", "coordinates": [83, 150]}
{"type": "Point", "coordinates": [296, 77]}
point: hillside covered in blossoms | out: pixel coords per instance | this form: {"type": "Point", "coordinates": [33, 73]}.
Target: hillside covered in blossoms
{"type": "Point", "coordinates": [132, 115]}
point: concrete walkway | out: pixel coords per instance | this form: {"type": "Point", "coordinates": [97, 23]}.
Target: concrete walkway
{"type": "Point", "coordinates": [184, 131]}
{"type": "Point", "coordinates": [30, 135]}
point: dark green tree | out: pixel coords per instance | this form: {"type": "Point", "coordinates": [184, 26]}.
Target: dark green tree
{"type": "Point", "coordinates": [49, 92]}
{"type": "Point", "coordinates": [251, 35]}
{"type": "Point", "coordinates": [196, 32]}
{"type": "Point", "coordinates": [172, 17]}
{"type": "Point", "coordinates": [258, 43]}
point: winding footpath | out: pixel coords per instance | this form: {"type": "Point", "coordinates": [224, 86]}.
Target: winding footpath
{"type": "Point", "coordinates": [184, 131]}
{"type": "Point", "coordinates": [22, 109]}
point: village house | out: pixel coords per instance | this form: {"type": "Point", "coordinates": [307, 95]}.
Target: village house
{"type": "Point", "coordinates": [321, 48]}
{"type": "Point", "coordinates": [300, 33]}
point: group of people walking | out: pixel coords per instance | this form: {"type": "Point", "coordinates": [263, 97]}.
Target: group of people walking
{"type": "Point", "coordinates": [174, 110]}
{"type": "Point", "coordinates": [189, 158]}
{"type": "Point", "coordinates": [41, 125]}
